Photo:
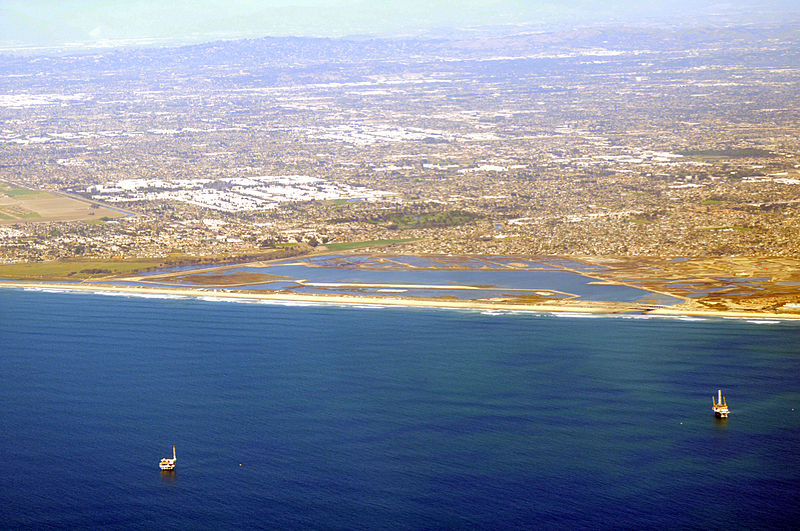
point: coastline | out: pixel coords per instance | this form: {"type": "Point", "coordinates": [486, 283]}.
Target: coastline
{"type": "Point", "coordinates": [594, 307]}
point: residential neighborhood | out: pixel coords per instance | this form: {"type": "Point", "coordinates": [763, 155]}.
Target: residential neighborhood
{"type": "Point", "coordinates": [573, 145]}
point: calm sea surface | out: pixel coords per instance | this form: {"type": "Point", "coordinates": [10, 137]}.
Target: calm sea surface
{"type": "Point", "coordinates": [367, 418]}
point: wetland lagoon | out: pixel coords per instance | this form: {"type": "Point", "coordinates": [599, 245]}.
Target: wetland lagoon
{"type": "Point", "coordinates": [740, 288]}
{"type": "Point", "coordinates": [478, 279]}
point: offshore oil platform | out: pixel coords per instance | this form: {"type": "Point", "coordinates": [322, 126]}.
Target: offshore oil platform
{"type": "Point", "coordinates": [720, 407]}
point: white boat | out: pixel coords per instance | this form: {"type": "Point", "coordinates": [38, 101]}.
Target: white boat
{"type": "Point", "coordinates": [720, 407]}
{"type": "Point", "coordinates": [167, 463]}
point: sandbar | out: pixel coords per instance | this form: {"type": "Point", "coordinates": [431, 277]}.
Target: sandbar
{"type": "Point", "coordinates": [570, 306]}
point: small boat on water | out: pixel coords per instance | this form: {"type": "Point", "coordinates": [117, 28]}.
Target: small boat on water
{"type": "Point", "coordinates": [720, 407]}
{"type": "Point", "coordinates": [167, 463]}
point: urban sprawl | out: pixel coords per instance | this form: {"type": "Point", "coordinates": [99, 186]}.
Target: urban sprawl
{"type": "Point", "coordinates": [593, 142]}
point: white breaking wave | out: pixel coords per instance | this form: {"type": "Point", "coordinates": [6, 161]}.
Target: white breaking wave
{"type": "Point", "coordinates": [498, 312]}
{"type": "Point", "coordinates": [49, 290]}
{"type": "Point", "coordinates": [128, 294]}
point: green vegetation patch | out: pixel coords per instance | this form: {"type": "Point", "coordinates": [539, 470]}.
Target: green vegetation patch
{"type": "Point", "coordinates": [17, 212]}
{"type": "Point", "coordinates": [98, 221]}
{"type": "Point", "coordinates": [25, 193]}
{"type": "Point", "coordinates": [346, 246]}
{"type": "Point", "coordinates": [75, 270]}
{"type": "Point", "coordinates": [744, 229]}
{"type": "Point", "coordinates": [427, 220]}
{"type": "Point", "coordinates": [738, 228]}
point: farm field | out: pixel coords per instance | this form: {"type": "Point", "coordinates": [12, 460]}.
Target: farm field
{"type": "Point", "coordinates": [21, 205]}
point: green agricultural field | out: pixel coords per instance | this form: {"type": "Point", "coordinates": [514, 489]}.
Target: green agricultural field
{"type": "Point", "coordinates": [17, 212]}
{"type": "Point", "coordinates": [347, 246]}
{"type": "Point", "coordinates": [22, 193]}
{"type": "Point", "coordinates": [427, 220]}
{"type": "Point", "coordinates": [76, 270]}
{"type": "Point", "coordinates": [26, 205]}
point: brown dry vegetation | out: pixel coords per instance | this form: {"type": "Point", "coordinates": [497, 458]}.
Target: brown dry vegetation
{"type": "Point", "coordinates": [726, 283]}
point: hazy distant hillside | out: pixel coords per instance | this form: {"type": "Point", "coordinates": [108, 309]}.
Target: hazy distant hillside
{"type": "Point", "coordinates": [307, 53]}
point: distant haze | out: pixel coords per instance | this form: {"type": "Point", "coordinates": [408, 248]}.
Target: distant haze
{"type": "Point", "coordinates": [43, 24]}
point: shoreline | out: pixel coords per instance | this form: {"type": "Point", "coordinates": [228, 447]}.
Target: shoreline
{"type": "Point", "coordinates": [594, 307]}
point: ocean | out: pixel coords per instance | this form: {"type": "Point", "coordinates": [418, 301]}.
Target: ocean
{"type": "Point", "coordinates": [343, 417]}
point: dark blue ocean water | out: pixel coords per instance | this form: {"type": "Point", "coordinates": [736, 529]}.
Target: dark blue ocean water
{"type": "Point", "coordinates": [369, 418]}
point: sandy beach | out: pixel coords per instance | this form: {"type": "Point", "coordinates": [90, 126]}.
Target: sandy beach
{"type": "Point", "coordinates": [570, 306]}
